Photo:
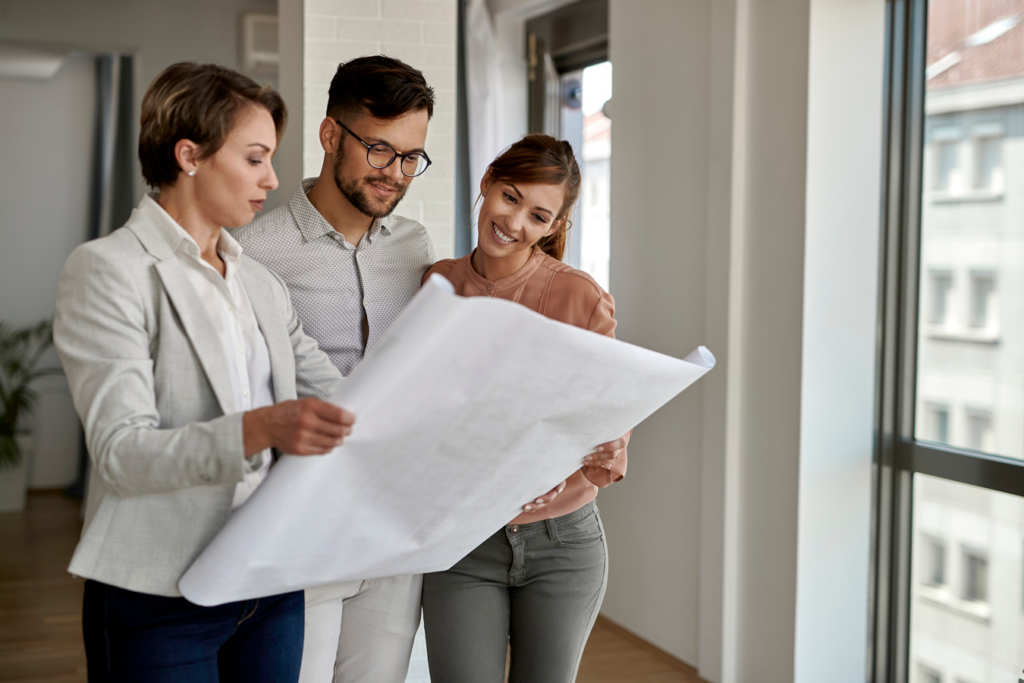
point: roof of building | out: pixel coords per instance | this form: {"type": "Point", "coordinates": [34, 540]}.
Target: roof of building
{"type": "Point", "coordinates": [974, 41]}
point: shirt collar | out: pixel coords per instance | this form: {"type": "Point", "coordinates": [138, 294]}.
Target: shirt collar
{"type": "Point", "coordinates": [313, 226]}
{"type": "Point", "coordinates": [180, 241]}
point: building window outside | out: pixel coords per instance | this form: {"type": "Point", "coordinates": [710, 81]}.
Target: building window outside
{"type": "Point", "coordinates": [947, 166]}
{"type": "Point", "coordinates": [941, 290]}
{"type": "Point", "coordinates": [983, 300]}
{"type": "Point", "coordinates": [975, 576]}
{"type": "Point", "coordinates": [938, 422]}
{"type": "Point", "coordinates": [595, 202]}
{"type": "Point", "coordinates": [980, 435]}
{"type": "Point", "coordinates": [967, 609]}
{"type": "Point", "coordinates": [988, 158]}
{"type": "Point", "coordinates": [934, 562]}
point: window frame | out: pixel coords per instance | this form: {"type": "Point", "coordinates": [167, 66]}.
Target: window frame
{"type": "Point", "coordinates": [899, 454]}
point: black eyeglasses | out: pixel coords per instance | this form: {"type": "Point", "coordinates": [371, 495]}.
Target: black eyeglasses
{"type": "Point", "coordinates": [380, 155]}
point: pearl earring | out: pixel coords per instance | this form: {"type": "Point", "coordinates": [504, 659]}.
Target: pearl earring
{"type": "Point", "coordinates": [192, 172]}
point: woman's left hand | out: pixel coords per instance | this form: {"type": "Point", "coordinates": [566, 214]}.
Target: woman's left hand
{"type": "Point", "coordinates": [544, 500]}
{"type": "Point", "coordinates": [606, 454]}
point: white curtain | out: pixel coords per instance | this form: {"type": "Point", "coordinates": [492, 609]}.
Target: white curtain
{"type": "Point", "coordinates": [483, 91]}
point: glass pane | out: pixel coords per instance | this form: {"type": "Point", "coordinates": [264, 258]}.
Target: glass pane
{"type": "Point", "coordinates": [970, 378]}
{"type": "Point", "coordinates": [595, 204]}
{"type": "Point", "coordinates": [967, 597]}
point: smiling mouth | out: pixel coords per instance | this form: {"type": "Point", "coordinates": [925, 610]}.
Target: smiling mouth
{"type": "Point", "coordinates": [383, 188]}
{"type": "Point", "coordinates": [501, 236]}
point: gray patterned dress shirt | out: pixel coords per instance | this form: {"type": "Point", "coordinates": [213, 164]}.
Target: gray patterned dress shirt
{"type": "Point", "coordinates": [333, 284]}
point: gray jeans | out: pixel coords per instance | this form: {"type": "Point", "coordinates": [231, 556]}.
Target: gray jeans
{"type": "Point", "coordinates": [535, 587]}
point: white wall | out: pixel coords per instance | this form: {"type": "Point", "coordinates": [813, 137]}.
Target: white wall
{"type": "Point", "coordinates": [659, 224]}
{"type": "Point", "coordinates": [739, 539]}
{"type": "Point", "coordinates": [840, 295]}
{"type": "Point", "coordinates": [45, 163]}
{"type": "Point", "coordinates": [45, 155]}
{"type": "Point", "coordinates": [420, 32]}
{"type": "Point", "coordinates": [157, 33]}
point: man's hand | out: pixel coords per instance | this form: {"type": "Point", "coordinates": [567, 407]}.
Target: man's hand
{"type": "Point", "coordinates": [544, 500]}
{"type": "Point", "coordinates": [606, 454]}
{"type": "Point", "coordinates": [307, 426]}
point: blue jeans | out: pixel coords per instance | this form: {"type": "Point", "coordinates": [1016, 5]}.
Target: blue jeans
{"type": "Point", "coordinates": [133, 636]}
{"type": "Point", "coordinates": [536, 587]}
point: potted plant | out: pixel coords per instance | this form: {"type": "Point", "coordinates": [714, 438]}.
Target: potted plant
{"type": "Point", "coordinates": [20, 352]}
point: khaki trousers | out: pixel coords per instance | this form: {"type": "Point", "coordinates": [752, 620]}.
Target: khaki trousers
{"type": "Point", "coordinates": [361, 631]}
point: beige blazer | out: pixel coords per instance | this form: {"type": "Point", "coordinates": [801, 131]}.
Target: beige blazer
{"type": "Point", "coordinates": [150, 383]}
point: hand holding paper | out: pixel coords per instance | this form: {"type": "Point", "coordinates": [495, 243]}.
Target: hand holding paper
{"type": "Point", "coordinates": [458, 425]}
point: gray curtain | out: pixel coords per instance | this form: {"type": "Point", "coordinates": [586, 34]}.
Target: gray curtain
{"type": "Point", "coordinates": [113, 193]}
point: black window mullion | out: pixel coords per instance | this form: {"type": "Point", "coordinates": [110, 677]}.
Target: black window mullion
{"type": "Point", "coordinates": [988, 471]}
{"type": "Point", "coordinates": [897, 339]}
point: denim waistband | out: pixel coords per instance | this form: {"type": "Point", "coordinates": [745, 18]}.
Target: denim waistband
{"type": "Point", "coordinates": [545, 525]}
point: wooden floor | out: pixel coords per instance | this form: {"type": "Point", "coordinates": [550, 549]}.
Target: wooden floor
{"type": "Point", "coordinates": [40, 610]}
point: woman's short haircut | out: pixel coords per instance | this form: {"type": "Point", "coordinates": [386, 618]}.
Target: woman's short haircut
{"type": "Point", "coordinates": [383, 87]}
{"type": "Point", "coordinates": [197, 102]}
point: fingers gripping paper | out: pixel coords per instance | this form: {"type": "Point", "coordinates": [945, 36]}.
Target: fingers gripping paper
{"type": "Point", "coordinates": [466, 409]}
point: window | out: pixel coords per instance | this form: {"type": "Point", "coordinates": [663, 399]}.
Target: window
{"type": "Point", "coordinates": [947, 165]}
{"type": "Point", "coordinates": [950, 455]}
{"type": "Point", "coordinates": [934, 562]}
{"type": "Point", "coordinates": [988, 157]}
{"type": "Point", "coordinates": [938, 423]}
{"type": "Point", "coordinates": [942, 287]}
{"type": "Point", "coordinates": [980, 435]}
{"type": "Point", "coordinates": [975, 576]}
{"type": "Point", "coordinates": [983, 300]}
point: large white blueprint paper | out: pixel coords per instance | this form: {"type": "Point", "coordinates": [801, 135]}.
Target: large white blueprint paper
{"type": "Point", "coordinates": [466, 409]}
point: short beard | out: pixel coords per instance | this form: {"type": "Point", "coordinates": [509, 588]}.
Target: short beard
{"type": "Point", "coordinates": [353, 192]}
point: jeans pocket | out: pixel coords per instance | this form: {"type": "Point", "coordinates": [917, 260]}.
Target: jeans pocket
{"type": "Point", "coordinates": [581, 533]}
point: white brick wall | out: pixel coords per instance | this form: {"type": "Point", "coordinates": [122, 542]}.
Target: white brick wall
{"type": "Point", "coordinates": [419, 32]}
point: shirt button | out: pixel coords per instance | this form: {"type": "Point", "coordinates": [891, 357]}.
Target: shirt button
{"type": "Point", "coordinates": [245, 392]}
{"type": "Point", "coordinates": [239, 349]}
{"type": "Point", "coordinates": [490, 288]}
{"type": "Point", "coordinates": [231, 307]}
{"type": "Point", "coordinates": [366, 302]}
{"type": "Point", "coordinates": [514, 529]}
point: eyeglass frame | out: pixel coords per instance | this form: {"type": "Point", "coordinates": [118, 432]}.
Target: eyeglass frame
{"type": "Point", "coordinates": [394, 151]}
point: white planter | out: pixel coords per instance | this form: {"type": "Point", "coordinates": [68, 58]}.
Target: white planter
{"type": "Point", "coordinates": [14, 481]}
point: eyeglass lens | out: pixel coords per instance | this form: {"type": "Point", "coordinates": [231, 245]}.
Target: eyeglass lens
{"type": "Point", "coordinates": [380, 156]}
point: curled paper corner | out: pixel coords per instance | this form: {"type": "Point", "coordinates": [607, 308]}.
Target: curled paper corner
{"type": "Point", "coordinates": [702, 356]}
{"type": "Point", "coordinates": [442, 282]}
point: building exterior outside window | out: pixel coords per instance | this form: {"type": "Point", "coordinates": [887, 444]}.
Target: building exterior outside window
{"type": "Point", "coordinates": [967, 597]}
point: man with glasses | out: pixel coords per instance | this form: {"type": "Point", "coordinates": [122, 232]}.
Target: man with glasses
{"type": "Point", "coordinates": [351, 266]}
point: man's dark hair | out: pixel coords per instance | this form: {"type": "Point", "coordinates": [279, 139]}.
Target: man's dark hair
{"type": "Point", "coordinates": [383, 87]}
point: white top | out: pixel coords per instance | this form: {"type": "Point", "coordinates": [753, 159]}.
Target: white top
{"type": "Point", "coordinates": [232, 317]}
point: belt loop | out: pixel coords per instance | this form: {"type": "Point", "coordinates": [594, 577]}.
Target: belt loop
{"type": "Point", "coordinates": [552, 530]}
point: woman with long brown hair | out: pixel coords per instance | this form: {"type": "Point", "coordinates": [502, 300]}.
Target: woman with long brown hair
{"type": "Point", "coordinates": [537, 583]}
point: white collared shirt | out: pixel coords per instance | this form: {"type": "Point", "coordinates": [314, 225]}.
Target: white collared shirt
{"type": "Point", "coordinates": [230, 313]}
